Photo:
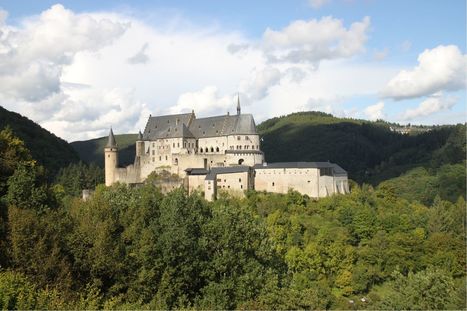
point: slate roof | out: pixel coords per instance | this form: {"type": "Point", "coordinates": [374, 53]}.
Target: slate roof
{"type": "Point", "coordinates": [196, 171]}
{"type": "Point", "coordinates": [187, 125]}
{"type": "Point", "coordinates": [111, 142]}
{"type": "Point", "coordinates": [336, 168]}
{"type": "Point", "coordinates": [226, 170]}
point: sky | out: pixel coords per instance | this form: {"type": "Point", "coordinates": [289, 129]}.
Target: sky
{"type": "Point", "coordinates": [80, 67]}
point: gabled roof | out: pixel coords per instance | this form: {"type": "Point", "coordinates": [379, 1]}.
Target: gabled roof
{"type": "Point", "coordinates": [226, 170]}
{"type": "Point", "coordinates": [186, 125]}
{"type": "Point", "coordinates": [336, 168]}
{"type": "Point", "coordinates": [169, 126]}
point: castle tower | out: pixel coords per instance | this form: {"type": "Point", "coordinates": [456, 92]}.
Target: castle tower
{"type": "Point", "coordinates": [111, 159]}
{"type": "Point", "coordinates": [239, 110]}
{"type": "Point", "coordinates": [139, 145]}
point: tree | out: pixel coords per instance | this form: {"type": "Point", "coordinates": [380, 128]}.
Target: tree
{"type": "Point", "coordinates": [430, 289]}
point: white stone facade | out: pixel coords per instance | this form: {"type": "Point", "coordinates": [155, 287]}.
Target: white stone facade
{"type": "Point", "coordinates": [218, 154]}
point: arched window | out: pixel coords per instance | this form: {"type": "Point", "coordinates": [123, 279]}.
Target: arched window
{"type": "Point", "coordinates": [206, 149]}
{"type": "Point", "coordinates": [240, 162]}
{"type": "Point", "coordinates": [212, 149]}
{"type": "Point", "coordinates": [176, 161]}
{"type": "Point", "coordinates": [200, 150]}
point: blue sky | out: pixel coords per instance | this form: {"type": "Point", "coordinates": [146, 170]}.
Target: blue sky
{"type": "Point", "coordinates": [403, 61]}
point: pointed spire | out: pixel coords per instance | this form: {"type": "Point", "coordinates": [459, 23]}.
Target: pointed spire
{"type": "Point", "coordinates": [111, 142]}
{"type": "Point", "coordinates": [239, 110]}
{"type": "Point", "coordinates": [140, 135]}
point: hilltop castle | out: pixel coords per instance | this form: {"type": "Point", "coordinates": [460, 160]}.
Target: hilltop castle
{"type": "Point", "coordinates": [218, 153]}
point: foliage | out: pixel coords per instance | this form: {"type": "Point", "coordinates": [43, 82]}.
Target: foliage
{"type": "Point", "coordinates": [49, 150]}
{"type": "Point", "coordinates": [78, 176]}
{"type": "Point", "coordinates": [395, 246]}
{"type": "Point", "coordinates": [91, 151]}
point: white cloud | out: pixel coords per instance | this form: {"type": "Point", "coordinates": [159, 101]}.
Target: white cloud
{"type": "Point", "coordinates": [315, 40]}
{"type": "Point", "coordinates": [204, 102]}
{"type": "Point", "coordinates": [201, 68]}
{"type": "Point", "coordinates": [440, 69]}
{"type": "Point", "coordinates": [257, 86]}
{"type": "Point", "coordinates": [429, 106]}
{"type": "Point", "coordinates": [32, 56]}
{"type": "Point", "coordinates": [406, 46]}
{"type": "Point", "coordinates": [316, 4]}
{"type": "Point", "coordinates": [140, 57]}
{"type": "Point", "coordinates": [295, 74]}
{"type": "Point", "coordinates": [375, 112]}
{"type": "Point", "coordinates": [381, 55]}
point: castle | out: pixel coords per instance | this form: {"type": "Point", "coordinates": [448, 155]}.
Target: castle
{"type": "Point", "coordinates": [220, 153]}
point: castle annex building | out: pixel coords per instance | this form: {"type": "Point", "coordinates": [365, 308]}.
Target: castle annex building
{"type": "Point", "coordinates": [220, 153]}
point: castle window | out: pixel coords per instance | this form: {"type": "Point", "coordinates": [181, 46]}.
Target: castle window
{"type": "Point", "coordinates": [246, 147]}
{"type": "Point", "coordinates": [252, 147]}
{"type": "Point", "coordinates": [168, 121]}
{"type": "Point", "coordinates": [108, 156]}
{"type": "Point", "coordinates": [246, 137]}
{"type": "Point", "coordinates": [212, 149]}
{"type": "Point", "coordinates": [184, 144]}
{"type": "Point", "coordinates": [240, 147]}
{"type": "Point", "coordinates": [153, 159]}
{"type": "Point", "coordinates": [273, 184]}
{"type": "Point", "coordinates": [168, 130]}
{"type": "Point", "coordinates": [178, 144]}
{"type": "Point", "coordinates": [166, 158]}
{"type": "Point", "coordinates": [204, 133]}
{"type": "Point", "coordinates": [257, 147]}
{"type": "Point", "coordinates": [238, 137]}
{"type": "Point", "coordinates": [153, 145]}
{"type": "Point", "coordinates": [213, 125]}
{"type": "Point", "coordinates": [217, 149]}
{"type": "Point", "coordinates": [173, 145]}
{"type": "Point", "coordinates": [176, 161]}
{"type": "Point", "coordinates": [241, 186]}
{"type": "Point", "coordinates": [200, 150]}
{"type": "Point", "coordinates": [153, 152]}
{"type": "Point", "coordinates": [206, 149]}
{"type": "Point", "coordinates": [160, 158]}
{"type": "Point", "coordinates": [239, 180]}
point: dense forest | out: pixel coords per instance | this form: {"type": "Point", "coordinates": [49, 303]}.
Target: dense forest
{"type": "Point", "coordinates": [92, 151]}
{"type": "Point", "coordinates": [398, 245]}
{"type": "Point", "coordinates": [49, 150]}
{"type": "Point", "coordinates": [369, 151]}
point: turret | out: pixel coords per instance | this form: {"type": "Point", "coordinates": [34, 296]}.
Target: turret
{"type": "Point", "coordinates": [139, 145]}
{"type": "Point", "coordinates": [111, 159]}
{"type": "Point", "coordinates": [239, 110]}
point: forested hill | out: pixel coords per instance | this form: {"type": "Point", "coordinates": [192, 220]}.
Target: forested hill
{"type": "Point", "coordinates": [369, 151]}
{"type": "Point", "coordinates": [49, 150]}
{"type": "Point", "coordinates": [92, 151]}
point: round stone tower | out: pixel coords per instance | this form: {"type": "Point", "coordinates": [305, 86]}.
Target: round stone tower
{"type": "Point", "coordinates": [139, 145]}
{"type": "Point", "coordinates": [111, 159]}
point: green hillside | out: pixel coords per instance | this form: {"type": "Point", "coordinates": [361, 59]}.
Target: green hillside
{"type": "Point", "coordinates": [369, 151]}
{"type": "Point", "coordinates": [48, 149]}
{"type": "Point", "coordinates": [92, 151]}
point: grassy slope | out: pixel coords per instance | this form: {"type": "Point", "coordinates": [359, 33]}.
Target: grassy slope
{"type": "Point", "coordinates": [50, 150]}
{"type": "Point", "coordinates": [92, 151]}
